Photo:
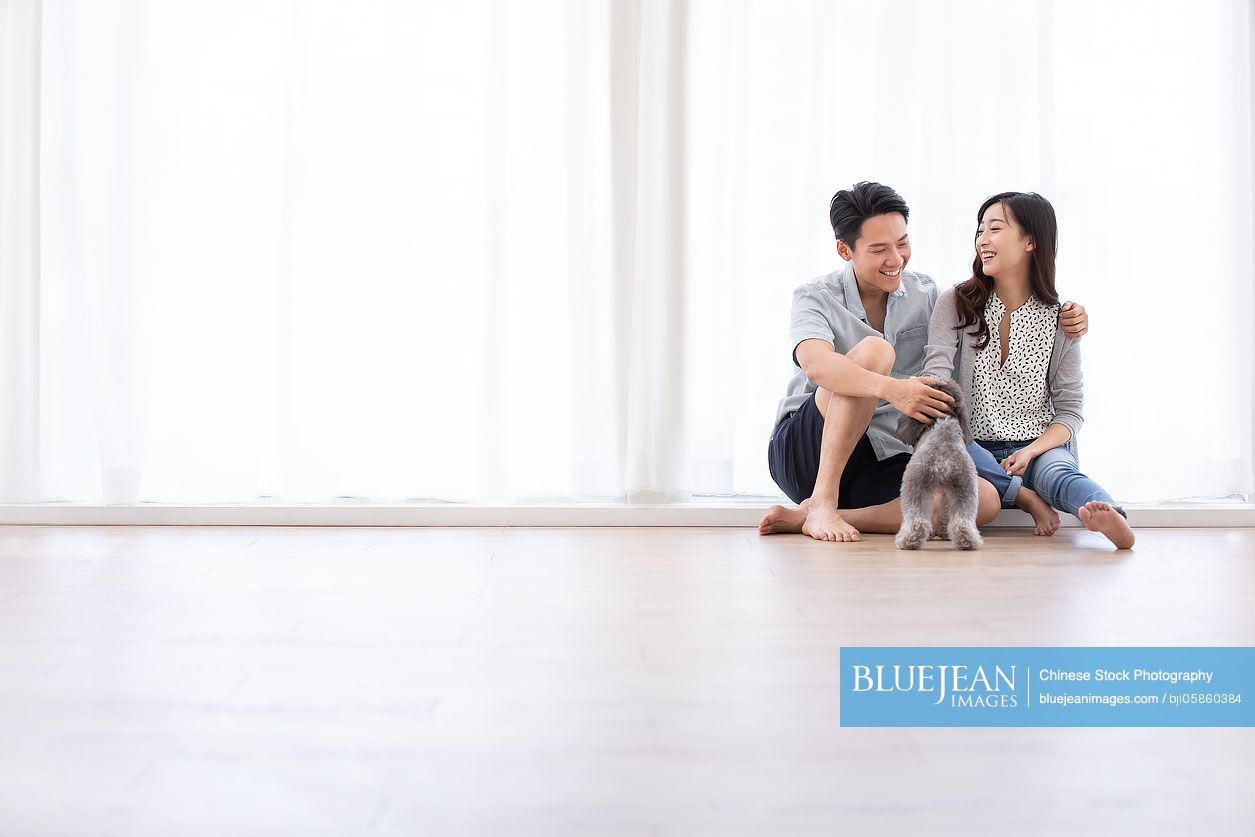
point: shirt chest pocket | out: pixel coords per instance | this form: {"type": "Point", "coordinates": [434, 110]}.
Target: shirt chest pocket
{"type": "Point", "coordinates": [908, 351]}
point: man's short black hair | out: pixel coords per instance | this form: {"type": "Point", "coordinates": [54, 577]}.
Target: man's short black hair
{"type": "Point", "coordinates": [851, 207]}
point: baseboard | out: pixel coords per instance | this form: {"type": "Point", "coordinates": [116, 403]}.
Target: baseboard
{"type": "Point", "coordinates": [1221, 515]}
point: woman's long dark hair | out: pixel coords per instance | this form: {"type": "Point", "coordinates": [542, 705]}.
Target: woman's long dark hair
{"type": "Point", "coordinates": [1036, 217]}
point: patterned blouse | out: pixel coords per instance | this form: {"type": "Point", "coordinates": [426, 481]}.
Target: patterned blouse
{"type": "Point", "coordinates": [1011, 401]}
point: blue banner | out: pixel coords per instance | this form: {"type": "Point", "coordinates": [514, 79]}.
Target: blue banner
{"type": "Point", "coordinates": [1047, 687]}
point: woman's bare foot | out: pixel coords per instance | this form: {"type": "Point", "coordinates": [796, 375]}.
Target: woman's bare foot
{"type": "Point", "coordinates": [1101, 517]}
{"type": "Point", "coordinates": [1045, 518]}
{"type": "Point", "coordinates": [824, 523]}
{"type": "Point", "coordinates": [782, 521]}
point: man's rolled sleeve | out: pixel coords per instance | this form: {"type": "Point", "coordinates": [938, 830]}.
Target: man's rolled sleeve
{"type": "Point", "coordinates": [807, 321]}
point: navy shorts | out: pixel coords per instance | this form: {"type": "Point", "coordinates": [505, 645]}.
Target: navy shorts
{"type": "Point", "coordinates": [793, 458]}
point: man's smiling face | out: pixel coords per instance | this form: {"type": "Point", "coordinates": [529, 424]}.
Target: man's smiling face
{"type": "Point", "coordinates": [881, 252]}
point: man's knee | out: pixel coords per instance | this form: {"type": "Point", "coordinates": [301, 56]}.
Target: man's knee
{"type": "Point", "coordinates": [988, 502]}
{"type": "Point", "coordinates": [873, 353]}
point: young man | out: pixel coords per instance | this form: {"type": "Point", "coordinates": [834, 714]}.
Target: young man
{"type": "Point", "coordinates": [858, 337]}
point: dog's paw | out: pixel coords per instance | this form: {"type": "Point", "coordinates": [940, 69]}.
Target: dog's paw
{"type": "Point", "coordinates": [965, 536]}
{"type": "Point", "coordinates": [913, 534]}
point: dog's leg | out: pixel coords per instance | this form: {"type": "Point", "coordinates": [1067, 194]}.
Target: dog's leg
{"type": "Point", "coordinates": [962, 525]}
{"type": "Point", "coordinates": [917, 507]}
{"type": "Point", "coordinates": [914, 532]}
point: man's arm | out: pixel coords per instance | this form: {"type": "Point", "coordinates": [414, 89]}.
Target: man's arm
{"type": "Point", "coordinates": [835, 372]}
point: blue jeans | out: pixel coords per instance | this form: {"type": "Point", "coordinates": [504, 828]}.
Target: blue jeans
{"type": "Point", "coordinates": [1054, 475]}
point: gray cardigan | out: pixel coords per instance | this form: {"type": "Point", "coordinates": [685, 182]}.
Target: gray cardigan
{"type": "Point", "coordinates": [952, 354]}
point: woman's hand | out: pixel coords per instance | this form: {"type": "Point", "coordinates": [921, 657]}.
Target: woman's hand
{"type": "Point", "coordinates": [1017, 463]}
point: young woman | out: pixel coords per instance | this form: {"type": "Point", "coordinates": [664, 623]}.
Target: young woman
{"type": "Point", "coordinates": [997, 334]}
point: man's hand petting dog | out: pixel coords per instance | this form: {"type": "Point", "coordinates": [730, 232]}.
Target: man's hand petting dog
{"type": "Point", "coordinates": [917, 398]}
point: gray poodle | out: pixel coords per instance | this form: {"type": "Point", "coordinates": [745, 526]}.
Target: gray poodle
{"type": "Point", "coordinates": [940, 463]}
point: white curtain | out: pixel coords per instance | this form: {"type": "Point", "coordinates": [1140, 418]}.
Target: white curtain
{"type": "Point", "coordinates": [19, 250]}
{"type": "Point", "coordinates": [544, 250]}
{"type": "Point", "coordinates": [316, 249]}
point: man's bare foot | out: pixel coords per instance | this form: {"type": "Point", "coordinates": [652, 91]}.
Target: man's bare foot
{"type": "Point", "coordinates": [782, 521]}
{"type": "Point", "coordinates": [1045, 518]}
{"type": "Point", "coordinates": [1101, 517]}
{"type": "Point", "coordinates": [824, 523]}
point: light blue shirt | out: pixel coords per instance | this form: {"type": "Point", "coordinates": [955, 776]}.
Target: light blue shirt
{"type": "Point", "coordinates": [830, 309]}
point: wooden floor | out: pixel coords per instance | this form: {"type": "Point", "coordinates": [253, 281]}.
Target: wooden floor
{"type": "Point", "coordinates": [262, 681]}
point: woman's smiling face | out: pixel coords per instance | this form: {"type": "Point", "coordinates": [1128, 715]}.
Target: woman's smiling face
{"type": "Point", "coordinates": [1001, 244]}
